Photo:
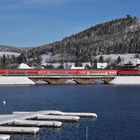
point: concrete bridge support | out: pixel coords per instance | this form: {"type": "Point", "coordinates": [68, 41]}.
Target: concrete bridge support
{"type": "Point", "coordinates": [78, 80]}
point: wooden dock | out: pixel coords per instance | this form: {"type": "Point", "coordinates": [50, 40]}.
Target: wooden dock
{"type": "Point", "coordinates": [29, 122]}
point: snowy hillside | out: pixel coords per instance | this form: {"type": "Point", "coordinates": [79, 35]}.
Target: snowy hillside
{"type": "Point", "coordinates": [125, 58]}
{"type": "Point", "coordinates": [9, 54]}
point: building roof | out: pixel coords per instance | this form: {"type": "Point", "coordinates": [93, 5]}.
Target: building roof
{"type": "Point", "coordinates": [24, 66]}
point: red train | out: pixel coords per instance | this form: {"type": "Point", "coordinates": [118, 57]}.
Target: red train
{"type": "Point", "coordinates": [56, 72]}
{"type": "Point", "coordinates": [68, 72]}
{"type": "Point", "coordinates": [128, 72]}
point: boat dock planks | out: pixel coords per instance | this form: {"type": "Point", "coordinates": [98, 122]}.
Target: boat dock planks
{"type": "Point", "coordinates": [37, 123]}
{"type": "Point", "coordinates": [29, 122]}
{"type": "Point", "coordinates": [58, 118]}
{"type": "Point", "coordinates": [55, 112]}
{"type": "Point", "coordinates": [18, 130]}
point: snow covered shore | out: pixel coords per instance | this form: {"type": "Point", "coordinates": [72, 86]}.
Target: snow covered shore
{"type": "Point", "coordinates": [15, 80]}
{"type": "Point", "coordinates": [23, 80]}
{"type": "Point", "coordinates": [126, 80]}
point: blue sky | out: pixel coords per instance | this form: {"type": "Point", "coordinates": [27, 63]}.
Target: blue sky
{"type": "Point", "coordinates": [30, 23]}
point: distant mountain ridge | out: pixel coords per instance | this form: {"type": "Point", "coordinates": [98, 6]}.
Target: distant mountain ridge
{"type": "Point", "coordinates": [4, 48]}
{"type": "Point", "coordinates": [119, 36]}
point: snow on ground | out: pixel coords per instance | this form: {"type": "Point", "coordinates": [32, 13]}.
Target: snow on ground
{"type": "Point", "coordinates": [115, 56]}
{"type": "Point", "coordinates": [49, 58]}
{"type": "Point", "coordinates": [46, 57]}
{"type": "Point", "coordinates": [24, 66]}
{"type": "Point", "coordinates": [126, 80]}
{"type": "Point", "coordinates": [15, 80]}
{"type": "Point", "coordinates": [9, 54]}
{"type": "Point", "coordinates": [126, 58]}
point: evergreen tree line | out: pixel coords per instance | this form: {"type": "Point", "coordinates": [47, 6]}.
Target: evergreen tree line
{"type": "Point", "coordinates": [12, 62]}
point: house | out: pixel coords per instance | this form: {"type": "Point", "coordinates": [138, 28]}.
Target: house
{"type": "Point", "coordinates": [73, 67]}
{"type": "Point", "coordinates": [53, 65]}
{"type": "Point", "coordinates": [68, 65]}
{"type": "Point", "coordinates": [101, 65]}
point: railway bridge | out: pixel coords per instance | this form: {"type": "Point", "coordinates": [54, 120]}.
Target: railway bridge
{"type": "Point", "coordinates": [83, 79]}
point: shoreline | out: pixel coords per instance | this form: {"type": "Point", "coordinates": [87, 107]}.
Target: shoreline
{"type": "Point", "coordinates": [25, 81]}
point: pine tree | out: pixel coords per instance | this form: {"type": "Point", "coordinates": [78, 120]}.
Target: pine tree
{"type": "Point", "coordinates": [4, 62]}
{"type": "Point", "coordinates": [101, 59]}
{"type": "Point", "coordinates": [119, 59]}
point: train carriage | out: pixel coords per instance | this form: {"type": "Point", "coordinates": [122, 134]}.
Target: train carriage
{"type": "Point", "coordinates": [62, 72]}
{"type": "Point", "coordinates": [97, 72]}
{"type": "Point", "coordinates": [128, 72]}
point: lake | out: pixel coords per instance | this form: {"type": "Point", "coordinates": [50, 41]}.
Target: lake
{"type": "Point", "coordinates": [117, 107]}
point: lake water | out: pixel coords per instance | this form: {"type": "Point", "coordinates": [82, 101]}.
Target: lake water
{"type": "Point", "coordinates": [117, 107]}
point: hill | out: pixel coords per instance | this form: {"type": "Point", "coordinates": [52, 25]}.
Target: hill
{"type": "Point", "coordinates": [4, 48]}
{"type": "Point", "coordinates": [119, 36]}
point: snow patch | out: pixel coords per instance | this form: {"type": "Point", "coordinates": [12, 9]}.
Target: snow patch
{"type": "Point", "coordinates": [9, 54]}
{"type": "Point", "coordinates": [124, 80]}
{"type": "Point", "coordinates": [134, 27]}
{"type": "Point", "coordinates": [24, 66]}
{"type": "Point", "coordinates": [15, 80]}
{"type": "Point", "coordinates": [46, 57]}
{"type": "Point", "coordinates": [126, 58]}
